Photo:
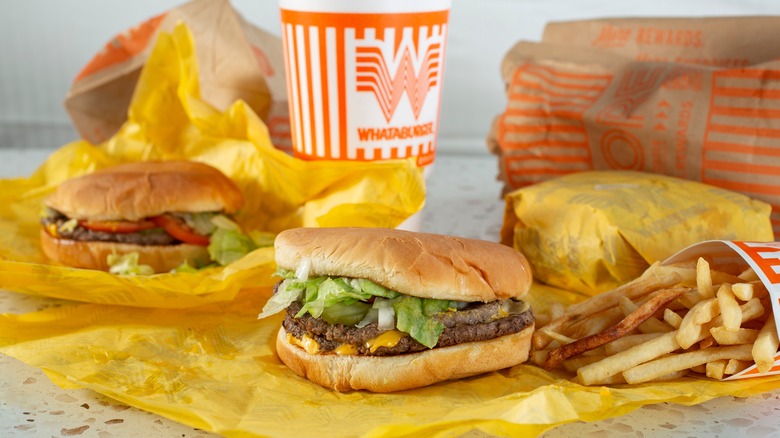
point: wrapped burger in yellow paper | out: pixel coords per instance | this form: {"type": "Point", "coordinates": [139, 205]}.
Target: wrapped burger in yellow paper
{"type": "Point", "coordinates": [593, 231]}
{"type": "Point", "coordinates": [215, 368]}
{"type": "Point", "coordinates": [167, 120]}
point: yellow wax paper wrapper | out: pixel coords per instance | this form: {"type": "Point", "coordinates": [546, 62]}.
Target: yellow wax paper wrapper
{"type": "Point", "coordinates": [215, 368]}
{"type": "Point", "coordinates": [593, 231]}
{"type": "Point", "coordinates": [168, 121]}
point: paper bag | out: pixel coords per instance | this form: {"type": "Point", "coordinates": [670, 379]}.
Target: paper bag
{"type": "Point", "coordinates": [593, 231]}
{"type": "Point", "coordinates": [574, 108]}
{"type": "Point", "coordinates": [237, 59]}
{"type": "Point", "coordinates": [168, 120]}
{"type": "Point", "coordinates": [719, 42]}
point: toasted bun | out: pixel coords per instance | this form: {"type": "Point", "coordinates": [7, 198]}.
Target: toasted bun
{"type": "Point", "coordinates": [406, 371]}
{"type": "Point", "coordinates": [134, 191]}
{"type": "Point", "coordinates": [93, 255]}
{"type": "Point", "coordinates": [417, 264]}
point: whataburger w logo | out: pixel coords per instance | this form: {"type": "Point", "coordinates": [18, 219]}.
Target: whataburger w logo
{"type": "Point", "coordinates": [361, 88]}
{"type": "Point", "coordinates": [416, 71]}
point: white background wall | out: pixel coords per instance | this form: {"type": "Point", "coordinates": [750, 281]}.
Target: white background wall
{"type": "Point", "coordinates": [44, 44]}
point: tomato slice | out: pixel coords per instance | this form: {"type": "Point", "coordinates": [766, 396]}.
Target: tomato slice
{"type": "Point", "coordinates": [117, 226]}
{"type": "Point", "coordinates": [179, 230]}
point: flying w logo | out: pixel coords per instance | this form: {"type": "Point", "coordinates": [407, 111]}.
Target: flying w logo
{"type": "Point", "coordinates": [373, 75]}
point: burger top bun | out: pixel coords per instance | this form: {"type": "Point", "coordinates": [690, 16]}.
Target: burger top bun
{"type": "Point", "coordinates": [417, 264]}
{"type": "Point", "coordinates": [134, 191]}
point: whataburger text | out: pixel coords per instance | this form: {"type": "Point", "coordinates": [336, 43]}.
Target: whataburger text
{"type": "Point", "coordinates": [395, 133]}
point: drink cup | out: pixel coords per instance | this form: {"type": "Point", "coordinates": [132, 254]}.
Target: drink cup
{"type": "Point", "coordinates": [364, 78]}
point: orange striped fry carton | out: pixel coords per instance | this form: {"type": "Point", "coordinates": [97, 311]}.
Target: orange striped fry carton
{"type": "Point", "coordinates": [762, 257]}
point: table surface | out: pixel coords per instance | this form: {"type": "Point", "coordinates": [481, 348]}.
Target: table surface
{"type": "Point", "coordinates": [463, 200]}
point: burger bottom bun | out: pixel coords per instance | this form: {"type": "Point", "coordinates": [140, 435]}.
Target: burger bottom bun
{"type": "Point", "coordinates": [94, 255]}
{"type": "Point", "coordinates": [407, 371]}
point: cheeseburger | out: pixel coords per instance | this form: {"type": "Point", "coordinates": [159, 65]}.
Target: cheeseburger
{"type": "Point", "coordinates": [163, 211]}
{"type": "Point", "coordinates": [387, 310]}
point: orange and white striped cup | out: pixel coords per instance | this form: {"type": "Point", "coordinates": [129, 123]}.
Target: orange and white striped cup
{"type": "Point", "coordinates": [364, 77]}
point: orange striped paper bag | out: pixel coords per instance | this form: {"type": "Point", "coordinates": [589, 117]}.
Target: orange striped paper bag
{"type": "Point", "coordinates": [574, 108]}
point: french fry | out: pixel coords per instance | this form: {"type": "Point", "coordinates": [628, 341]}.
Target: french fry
{"type": "Point", "coordinates": [539, 357]}
{"type": "Point", "coordinates": [651, 325]}
{"type": "Point", "coordinates": [672, 318]}
{"type": "Point", "coordinates": [624, 327]}
{"type": "Point", "coordinates": [629, 341]}
{"type": "Point", "coordinates": [561, 338]}
{"type": "Point", "coordinates": [705, 311]}
{"type": "Point", "coordinates": [748, 275]}
{"type": "Point", "coordinates": [691, 324]}
{"type": "Point", "coordinates": [707, 342]}
{"type": "Point", "coordinates": [747, 291]}
{"type": "Point", "coordinates": [650, 281]}
{"type": "Point", "coordinates": [704, 279]}
{"type": "Point", "coordinates": [575, 363]}
{"type": "Point", "coordinates": [765, 348]}
{"type": "Point", "coordinates": [689, 299]}
{"type": "Point", "coordinates": [735, 366]}
{"type": "Point", "coordinates": [713, 322]}
{"type": "Point", "coordinates": [599, 372]}
{"type": "Point", "coordinates": [659, 367]}
{"type": "Point", "coordinates": [665, 377]}
{"type": "Point", "coordinates": [716, 369]}
{"type": "Point", "coordinates": [596, 323]}
{"type": "Point", "coordinates": [729, 308]}
{"type": "Point", "coordinates": [556, 310]}
{"type": "Point", "coordinates": [724, 336]}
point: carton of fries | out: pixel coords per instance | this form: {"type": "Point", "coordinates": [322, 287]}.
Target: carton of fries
{"type": "Point", "coordinates": [710, 310]}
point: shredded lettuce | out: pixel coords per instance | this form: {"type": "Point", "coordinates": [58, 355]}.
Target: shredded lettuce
{"type": "Point", "coordinates": [329, 292]}
{"type": "Point", "coordinates": [200, 222]}
{"type": "Point", "coordinates": [227, 246]}
{"type": "Point", "coordinates": [340, 300]}
{"type": "Point", "coordinates": [222, 221]}
{"type": "Point", "coordinates": [411, 318]}
{"type": "Point", "coordinates": [68, 226]}
{"type": "Point", "coordinates": [127, 264]}
{"type": "Point", "coordinates": [184, 267]}
{"type": "Point", "coordinates": [286, 294]}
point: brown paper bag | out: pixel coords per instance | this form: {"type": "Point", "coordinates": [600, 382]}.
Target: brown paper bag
{"type": "Point", "coordinates": [237, 61]}
{"type": "Point", "coordinates": [573, 108]}
{"type": "Point", "coordinates": [720, 42]}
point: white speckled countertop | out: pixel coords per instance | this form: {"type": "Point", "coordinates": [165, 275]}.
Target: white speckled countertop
{"type": "Point", "coordinates": [463, 200]}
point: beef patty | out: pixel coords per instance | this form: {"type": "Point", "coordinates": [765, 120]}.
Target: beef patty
{"type": "Point", "coordinates": [155, 236]}
{"type": "Point", "coordinates": [476, 322]}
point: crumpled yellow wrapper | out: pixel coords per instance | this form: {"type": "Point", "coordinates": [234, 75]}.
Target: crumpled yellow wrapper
{"type": "Point", "coordinates": [215, 368]}
{"type": "Point", "coordinates": [593, 231]}
{"type": "Point", "coordinates": [168, 120]}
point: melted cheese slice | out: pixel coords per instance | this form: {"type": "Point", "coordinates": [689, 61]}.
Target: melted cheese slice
{"type": "Point", "coordinates": [306, 342]}
{"type": "Point", "coordinates": [387, 339]}
{"type": "Point", "coordinates": [346, 350]}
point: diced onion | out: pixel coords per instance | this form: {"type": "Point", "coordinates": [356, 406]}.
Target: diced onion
{"type": "Point", "coordinates": [371, 317]}
{"type": "Point", "coordinates": [302, 273]}
{"type": "Point", "coordinates": [386, 317]}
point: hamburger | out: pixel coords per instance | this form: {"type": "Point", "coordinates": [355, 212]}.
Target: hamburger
{"type": "Point", "coordinates": [163, 213]}
{"type": "Point", "coordinates": [386, 310]}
